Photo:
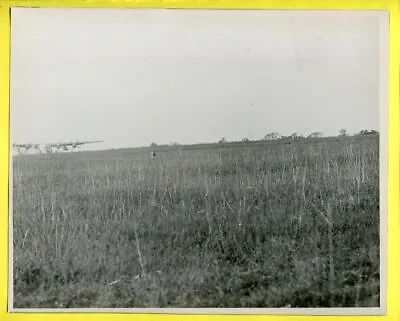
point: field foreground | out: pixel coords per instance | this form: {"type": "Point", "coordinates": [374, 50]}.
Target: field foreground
{"type": "Point", "coordinates": [268, 225]}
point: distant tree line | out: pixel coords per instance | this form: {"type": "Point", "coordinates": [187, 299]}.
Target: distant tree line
{"type": "Point", "coordinates": [342, 133]}
{"type": "Point", "coordinates": [275, 136]}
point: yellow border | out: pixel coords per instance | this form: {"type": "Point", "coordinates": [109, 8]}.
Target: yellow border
{"type": "Point", "coordinates": [393, 6]}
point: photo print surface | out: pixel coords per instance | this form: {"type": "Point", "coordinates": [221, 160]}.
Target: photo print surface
{"type": "Point", "coordinates": [173, 159]}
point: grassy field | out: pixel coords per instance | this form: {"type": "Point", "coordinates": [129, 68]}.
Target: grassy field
{"type": "Point", "coordinates": [247, 225]}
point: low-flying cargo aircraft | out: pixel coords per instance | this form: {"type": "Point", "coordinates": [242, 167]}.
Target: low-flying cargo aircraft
{"type": "Point", "coordinates": [51, 148]}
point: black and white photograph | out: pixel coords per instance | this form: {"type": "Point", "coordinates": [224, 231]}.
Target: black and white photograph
{"type": "Point", "coordinates": [232, 161]}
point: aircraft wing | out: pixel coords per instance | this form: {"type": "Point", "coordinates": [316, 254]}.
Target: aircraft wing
{"type": "Point", "coordinates": [89, 142]}
{"type": "Point", "coordinates": [74, 143]}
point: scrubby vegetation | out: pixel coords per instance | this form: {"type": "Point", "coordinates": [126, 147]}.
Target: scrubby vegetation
{"type": "Point", "coordinates": [244, 225]}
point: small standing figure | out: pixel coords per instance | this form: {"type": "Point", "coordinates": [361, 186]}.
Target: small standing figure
{"type": "Point", "coordinates": [153, 155]}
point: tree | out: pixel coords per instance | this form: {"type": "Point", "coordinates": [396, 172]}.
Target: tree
{"type": "Point", "coordinates": [272, 136]}
{"type": "Point", "coordinates": [316, 135]}
{"type": "Point", "coordinates": [153, 145]}
{"type": "Point", "coordinates": [366, 132]}
{"type": "Point", "coordinates": [245, 139]}
{"type": "Point", "coordinates": [343, 132]}
{"type": "Point", "coordinates": [222, 140]}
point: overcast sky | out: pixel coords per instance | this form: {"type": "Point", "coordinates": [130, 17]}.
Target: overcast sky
{"type": "Point", "coordinates": [131, 77]}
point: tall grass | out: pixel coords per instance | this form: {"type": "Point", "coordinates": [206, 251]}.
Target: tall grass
{"type": "Point", "coordinates": [246, 226]}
